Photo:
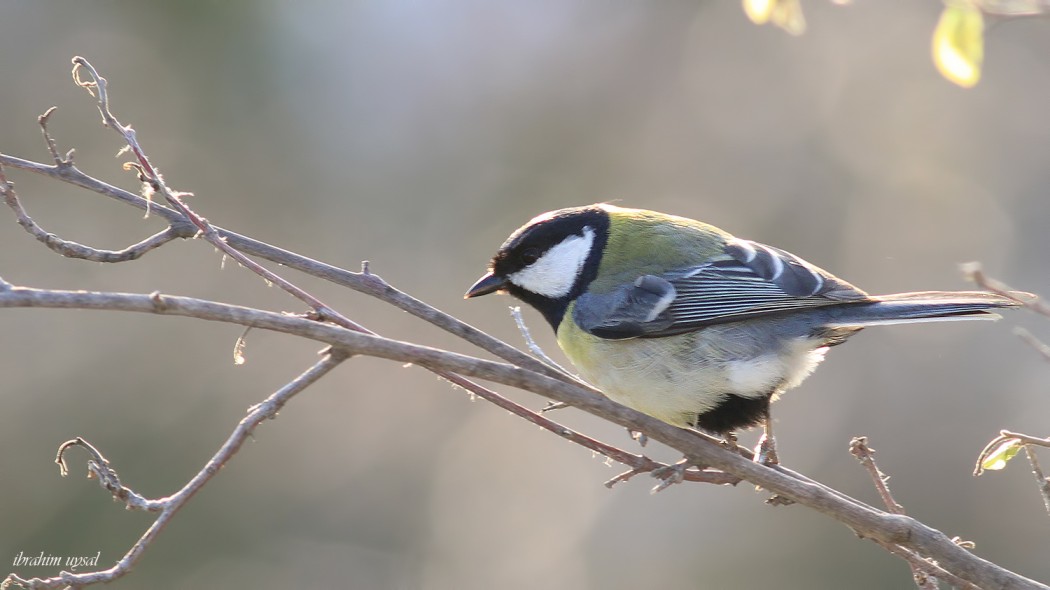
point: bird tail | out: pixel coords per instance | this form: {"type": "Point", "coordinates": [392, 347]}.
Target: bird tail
{"type": "Point", "coordinates": [924, 306]}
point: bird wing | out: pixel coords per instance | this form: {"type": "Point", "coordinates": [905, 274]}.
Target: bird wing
{"type": "Point", "coordinates": [750, 280]}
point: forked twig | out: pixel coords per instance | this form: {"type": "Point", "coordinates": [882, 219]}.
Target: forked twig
{"type": "Point", "coordinates": [925, 572]}
{"type": "Point", "coordinates": [99, 467]}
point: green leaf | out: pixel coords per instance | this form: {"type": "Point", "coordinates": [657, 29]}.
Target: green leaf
{"type": "Point", "coordinates": [958, 43]}
{"type": "Point", "coordinates": [998, 458]}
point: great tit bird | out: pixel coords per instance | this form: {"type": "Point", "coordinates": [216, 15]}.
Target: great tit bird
{"type": "Point", "coordinates": [686, 323]}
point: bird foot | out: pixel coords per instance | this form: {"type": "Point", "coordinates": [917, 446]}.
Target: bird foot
{"type": "Point", "coordinates": [766, 451]}
{"type": "Point", "coordinates": [670, 475]}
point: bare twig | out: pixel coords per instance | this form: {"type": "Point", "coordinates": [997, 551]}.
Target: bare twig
{"type": "Point", "coordinates": [1040, 479]}
{"type": "Point", "coordinates": [698, 449]}
{"type": "Point", "coordinates": [97, 86]}
{"type": "Point", "coordinates": [348, 338]}
{"type": "Point", "coordinates": [51, 145]}
{"type": "Point", "coordinates": [858, 447]}
{"type": "Point", "coordinates": [99, 468]}
{"type": "Point", "coordinates": [519, 320]}
{"type": "Point", "coordinates": [170, 505]}
{"type": "Point", "coordinates": [1041, 347]}
{"type": "Point", "coordinates": [367, 283]}
{"type": "Point", "coordinates": [209, 231]}
{"type": "Point", "coordinates": [974, 272]}
{"type": "Point", "coordinates": [924, 572]}
{"type": "Point", "coordinates": [1025, 442]}
{"type": "Point", "coordinates": [71, 249]}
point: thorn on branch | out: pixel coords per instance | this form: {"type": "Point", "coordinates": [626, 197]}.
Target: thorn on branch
{"type": "Point", "coordinates": [924, 571]}
{"type": "Point", "coordinates": [551, 406]}
{"type": "Point", "coordinates": [858, 447]}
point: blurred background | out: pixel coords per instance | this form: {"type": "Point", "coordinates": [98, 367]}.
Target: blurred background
{"type": "Point", "coordinates": [417, 135]}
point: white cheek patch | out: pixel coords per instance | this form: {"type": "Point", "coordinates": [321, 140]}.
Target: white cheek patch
{"type": "Point", "coordinates": [554, 274]}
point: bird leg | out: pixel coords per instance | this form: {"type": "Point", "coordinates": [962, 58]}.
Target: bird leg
{"type": "Point", "coordinates": [766, 451]}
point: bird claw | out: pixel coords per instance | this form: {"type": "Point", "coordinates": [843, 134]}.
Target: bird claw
{"type": "Point", "coordinates": [766, 451]}
{"type": "Point", "coordinates": [670, 475]}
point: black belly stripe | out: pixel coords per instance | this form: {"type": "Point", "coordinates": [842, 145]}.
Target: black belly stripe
{"type": "Point", "coordinates": [733, 413]}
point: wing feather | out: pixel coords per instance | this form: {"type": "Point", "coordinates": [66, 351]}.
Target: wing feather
{"type": "Point", "coordinates": [751, 280]}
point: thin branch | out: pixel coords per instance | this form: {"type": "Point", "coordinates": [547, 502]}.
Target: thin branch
{"type": "Point", "coordinates": [100, 469]}
{"type": "Point", "coordinates": [71, 249]}
{"type": "Point", "coordinates": [925, 572]}
{"type": "Point", "coordinates": [1040, 479]}
{"type": "Point", "coordinates": [51, 145]}
{"type": "Point", "coordinates": [180, 230]}
{"type": "Point", "coordinates": [97, 86]}
{"type": "Point", "coordinates": [720, 465]}
{"type": "Point", "coordinates": [699, 449]}
{"type": "Point", "coordinates": [974, 272]}
{"type": "Point", "coordinates": [354, 342]}
{"type": "Point", "coordinates": [636, 461]}
{"type": "Point", "coordinates": [1016, 440]}
{"type": "Point", "coordinates": [1041, 347]}
{"type": "Point", "coordinates": [858, 447]}
{"type": "Point", "coordinates": [515, 312]}
{"type": "Point", "coordinates": [1026, 438]}
{"type": "Point", "coordinates": [170, 505]}
{"type": "Point", "coordinates": [366, 283]}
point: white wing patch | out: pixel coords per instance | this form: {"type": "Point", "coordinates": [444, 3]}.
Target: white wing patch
{"type": "Point", "coordinates": [554, 274]}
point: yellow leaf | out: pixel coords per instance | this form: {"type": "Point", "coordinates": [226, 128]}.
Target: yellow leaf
{"type": "Point", "coordinates": [786, 14]}
{"type": "Point", "coordinates": [759, 11]}
{"type": "Point", "coordinates": [958, 44]}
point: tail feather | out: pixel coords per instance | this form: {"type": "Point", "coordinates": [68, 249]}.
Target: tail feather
{"type": "Point", "coordinates": [924, 306]}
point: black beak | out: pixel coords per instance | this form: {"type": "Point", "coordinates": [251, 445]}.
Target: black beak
{"type": "Point", "coordinates": [489, 283]}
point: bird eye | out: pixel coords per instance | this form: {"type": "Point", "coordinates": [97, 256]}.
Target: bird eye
{"type": "Point", "coordinates": [529, 256]}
